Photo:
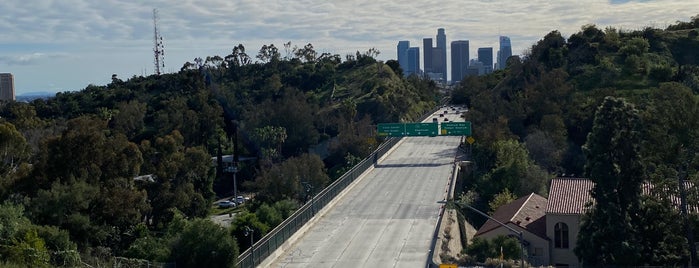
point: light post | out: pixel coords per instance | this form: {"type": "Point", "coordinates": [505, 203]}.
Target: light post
{"type": "Point", "coordinates": [309, 188]}
{"type": "Point", "coordinates": [234, 169]}
{"type": "Point", "coordinates": [520, 234]}
{"type": "Point", "coordinates": [251, 232]}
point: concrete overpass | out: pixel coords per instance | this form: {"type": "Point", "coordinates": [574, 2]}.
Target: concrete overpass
{"type": "Point", "coordinates": [386, 218]}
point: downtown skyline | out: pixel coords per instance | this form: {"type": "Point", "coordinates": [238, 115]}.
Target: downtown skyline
{"type": "Point", "coordinates": [65, 46]}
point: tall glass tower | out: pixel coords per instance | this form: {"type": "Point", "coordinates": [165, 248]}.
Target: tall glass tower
{"type": "Point", "coordinates": [427, 55]}
{"type": "Point", "coordinates": [413, 55]}
{"type": "Point", "coordinates": [485, 55]}
{"type": "Point", "coordinates": [402, 51]}
{"type": "Point", "coordinates": [440, 57]}
{"type": "Point", "coordinates": [504, 52]}
{"type": "Point", "coordinates": [459, 60]}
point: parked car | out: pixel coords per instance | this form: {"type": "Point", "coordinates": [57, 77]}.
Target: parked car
{"type": "Point", "coordinates": [226, 204]}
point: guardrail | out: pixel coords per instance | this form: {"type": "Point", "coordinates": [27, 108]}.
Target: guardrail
{"type": "Point", "coordinates": [275, 238]}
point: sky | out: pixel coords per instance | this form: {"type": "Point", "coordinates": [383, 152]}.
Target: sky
{"type": "Point", "coordinates": [66, 45]}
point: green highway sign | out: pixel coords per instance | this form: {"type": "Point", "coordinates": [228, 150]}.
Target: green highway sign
{"type": "Point", "coordinates": [391, 129]}
{"type": "Point", "coordinates": [424, 129]}
{"type": "Point", "coordinates": [455, 129]}
{"type": "Point", "coordinates": [421, 129]}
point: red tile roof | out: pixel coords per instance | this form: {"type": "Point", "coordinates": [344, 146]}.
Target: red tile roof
{"type": "Point", "coordinates": [526, 212]}
{"type": "Point", "coordinates": [673, 190]}
{"type": "Point", "coordinates": [569, 195]}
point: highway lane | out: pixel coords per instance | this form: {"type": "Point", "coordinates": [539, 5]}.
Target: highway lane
{"type": "Point", "coordinates": [388, 218]}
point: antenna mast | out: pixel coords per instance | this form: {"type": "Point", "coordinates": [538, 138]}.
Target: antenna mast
{"type": "Point", "coordinates": [158, 47]}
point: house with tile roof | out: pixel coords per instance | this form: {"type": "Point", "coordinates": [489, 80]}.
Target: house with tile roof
{"type": "Point", "coordinates": [556, 219]}
{"type": "Point", "coordinates": [550, 226]}
{"type": "Point", "coordinates": [564, 209]}
{"type": "Point", "coordinates": [527, 215]}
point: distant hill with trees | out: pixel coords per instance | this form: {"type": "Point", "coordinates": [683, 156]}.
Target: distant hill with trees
{"type": "Point", "coordinates": [69, 162]}
{"type": "Point", "coordinates": [616, 106]}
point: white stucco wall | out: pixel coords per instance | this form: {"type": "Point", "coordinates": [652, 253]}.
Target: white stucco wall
{"type": "Point", "coordinates": [561, 255]}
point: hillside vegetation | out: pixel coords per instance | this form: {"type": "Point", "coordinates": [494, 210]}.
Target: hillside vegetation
{"type": "Point", "coordinates": [616, 106]}
{"type": "Point", "coordinates": [68, 163]}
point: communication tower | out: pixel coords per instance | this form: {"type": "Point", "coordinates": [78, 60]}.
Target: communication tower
{"type": "Point", "coordinates": [158, 47]}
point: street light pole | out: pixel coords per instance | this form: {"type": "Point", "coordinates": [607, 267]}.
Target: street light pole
{"type": "Point", "coordinates": [235, 183]}
{"type": "Point", "coordinates": [251, 232]}
{"type": "Point", "coordinates": [520, 234]}
{"type": "Point", "coordinates": [309, 188]}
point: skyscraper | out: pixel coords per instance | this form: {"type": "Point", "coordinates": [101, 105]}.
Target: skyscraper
{"type": "Point", "coordinates": [459, 60]}
{"type": "Point", "coordinates": [504, 52]}
{"type": "Point", "coordinates": [440, 54]}
{"type": "Point", "coordinates": [7, 87]}
{"type": "Point", "coordinates": [436, 57]}
{"type": "Point", "coordinates": [402, 50]}
{"type": "Point", "coordinates": [427, 55]}
{"type": "Point", "coordinates": [485, 55]}
{"type": "Point", "coordinates": [413, 59]}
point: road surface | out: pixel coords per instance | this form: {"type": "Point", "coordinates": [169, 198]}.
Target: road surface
{"type": "Point", "coordinates": [388, 218]}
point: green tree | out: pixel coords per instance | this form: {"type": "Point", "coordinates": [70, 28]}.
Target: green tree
{"type": "Point", "coordinates": [128, 118]}
{"type": "Point", "coordinates": [609, 232]}
{"type": "Point", "coordinates": [14, 157]}
{"type": "Point", "coordinates": [269, 215]}
{"type": "Point", "coordinates": [29, 249]}
{"type": "Point", "coordinates": [284, 181]}
{"type": "Point", "coordinates": [204, 244]}
{"type": "Point", "coordinates": [503, 198]}
{"type": "Point", "coordinates": [241, 222]}
{"type": "Point", "coordinates": [513, 170]}
{"type": "Point", "coordinates": [663, 241]}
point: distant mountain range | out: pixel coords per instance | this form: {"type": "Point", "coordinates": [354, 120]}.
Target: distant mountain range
{"type": "Point", "coordinates": [30, 96]}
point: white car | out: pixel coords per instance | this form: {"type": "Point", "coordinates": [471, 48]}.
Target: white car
{"type": "Point", "coordinates": [226, 204]}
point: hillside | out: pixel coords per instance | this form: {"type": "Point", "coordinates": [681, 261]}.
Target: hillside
{"type": "Point", "coordinates": [69, 162]}
{"type": "Point", "coordinates": [618, 107]}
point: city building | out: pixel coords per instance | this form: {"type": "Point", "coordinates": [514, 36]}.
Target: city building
{"type": "Point", "coordinates": [413, 59]}
{"type": "Point", "coordinates": [485, 55]}
{"type": "Point", "coordinates": [7, 87]}
{"type": "Point", "coordinates": [459, 60]}
{"type": "Point", "coordinates": [435, 58]}
{"type": "Point", "coordinates": [475, 68]}
{"type": "Point", "coordinates": [402, 53]}
{"type": "Point", "coordinates": [504, 53]}
{"type": "Point", "coordinates": [440, 64]}
{"type": "Point", "coordinates": [427, 55]}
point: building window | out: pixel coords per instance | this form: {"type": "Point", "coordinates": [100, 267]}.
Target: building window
{"type": "Point", "coordinates": [560, 235]}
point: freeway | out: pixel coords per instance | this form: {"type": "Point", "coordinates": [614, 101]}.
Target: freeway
{"type": "Point", "coordinates": [387, 218]}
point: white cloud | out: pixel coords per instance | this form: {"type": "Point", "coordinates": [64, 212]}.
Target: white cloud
{"type": "Point", "coordinates": [29, 59]}
{"type": "Point", "coordinates": [124, 28]}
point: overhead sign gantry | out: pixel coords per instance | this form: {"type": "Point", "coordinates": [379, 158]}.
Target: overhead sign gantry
{"type": "Point", "coordinates": [424, 129]}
